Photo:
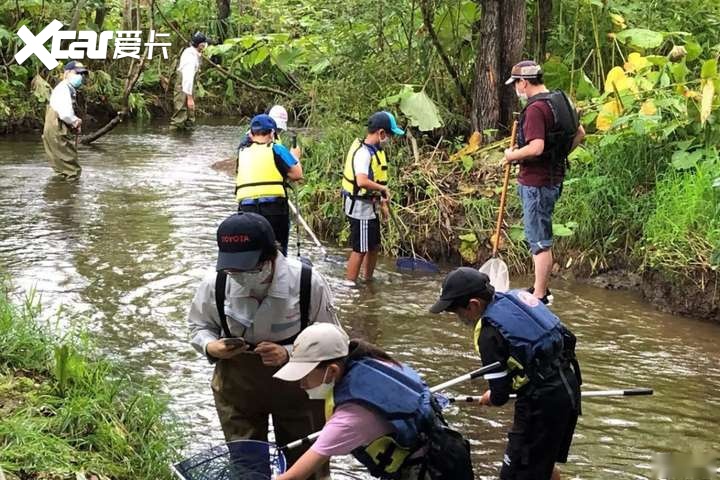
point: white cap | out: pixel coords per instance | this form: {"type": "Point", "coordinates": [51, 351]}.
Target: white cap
{"type": "Point", "coordinates": [280, 115]}
{"type": "Point", "coordinates": [318, 342]}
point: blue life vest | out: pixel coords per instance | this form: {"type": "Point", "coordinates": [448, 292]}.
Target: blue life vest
{"type": "Point", "coordinates": [398, 395]}
{"type": "Point", "coordinates": [534, 334]}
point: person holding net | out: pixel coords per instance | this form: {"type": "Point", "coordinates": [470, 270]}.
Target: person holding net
{"type": "Point", "coordinates": [244, 319]}
{"type": "Point", "coordinates": [377, 409]}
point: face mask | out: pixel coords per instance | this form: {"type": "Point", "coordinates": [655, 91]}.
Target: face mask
{"type": "Point", "coordinates": [253, 279]}
{"type": "Point", "coordinates": [322, 391]}
{"type": "Point", "coordinates": [521, 96]}
{"type": "Point", "coordinates": [385, 140]}
{"type": "Point", "coordinates": [76, 80]}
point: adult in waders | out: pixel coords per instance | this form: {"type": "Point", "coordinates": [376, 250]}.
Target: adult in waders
{"type": "Point", "coordinates": [364, 191]}
{"type": "Point", "coordinates": [183, 100]}
{"type": "Point", "coordinates": [377, 409]}
{"type": "Point", "coordinates": [62, 126]}
{"type": "Point", "coordinates": [538, 353]}
{"type": "Point", "coordinates": [548, 130]}
{"type": "Point", "coordinates": [244, 319]}
{"type": "Point", "coordinates": [263, 169]}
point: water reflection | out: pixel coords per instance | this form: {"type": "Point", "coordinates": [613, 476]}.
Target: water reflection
{"type": "Point", "coordinates": [126, 246]}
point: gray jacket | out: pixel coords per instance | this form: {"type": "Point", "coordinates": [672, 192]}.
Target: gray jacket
{"type": "Point", "coordinates": [276, 318]}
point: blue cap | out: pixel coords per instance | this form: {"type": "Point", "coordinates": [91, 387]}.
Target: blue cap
{"type": "Point", "coordinates": [76, 66]}
{"type": "Point", "coordinates": [262, 122]}
{"type": "Point", "coordinates": [386, 121]}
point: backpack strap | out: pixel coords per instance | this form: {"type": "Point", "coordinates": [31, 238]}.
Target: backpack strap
{"type": "Point", "coordinates": [305, 291]}
{"type": "Point", "coordinates": [220, 283]}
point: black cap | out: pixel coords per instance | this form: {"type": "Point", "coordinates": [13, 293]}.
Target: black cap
{"type": "Point", "coordinates": [75, 66]}
{"type": "Point", "coordinates": [386, 121]}
{"type": "Point", "coordinates": [460, 283]}
{"type": "Point", "coordinates": [198, 38]}
{"type": "Point", "coordinates": [241, 239]}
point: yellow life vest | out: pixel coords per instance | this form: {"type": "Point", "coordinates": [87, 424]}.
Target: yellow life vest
{"type": "Point", "coordinates": [378, 172]}
{"type": "Point", "coordinates": [257, 174]}
{"type": "Point", "coordinates": [514, 367]}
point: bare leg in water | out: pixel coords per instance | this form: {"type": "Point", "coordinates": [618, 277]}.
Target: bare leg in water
{"type": "Point", "coordinates": [369, 264]}
{"type": "Point", "coordinates": [353, 266]}
{"type": "Point", "coordinates": [555, 474]}
{"type": "Point", "coordinates": [543, 267]}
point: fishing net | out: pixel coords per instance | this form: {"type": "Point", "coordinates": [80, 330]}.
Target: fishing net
{"type": "Point", "coordinates": [239, 460]}
{"type": "Point", "coordinates": [416, 264]}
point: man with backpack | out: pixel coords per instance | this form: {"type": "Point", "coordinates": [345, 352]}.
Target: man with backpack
{"type": "Point", "coordinates": [548, 130]}
{"type": "Point", "coordinates": [244, 319]}
{"type": "Point", "coordinates": [538, 355]}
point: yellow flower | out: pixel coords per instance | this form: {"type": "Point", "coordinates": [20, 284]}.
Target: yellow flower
{"type": "Point", "coordinates": [617, 80]}
{"type": "Point", "coordinates": [608, 114]}
{"type": "Point", "coordinates": [648, 108]}
{"type": "Point", "coordinates": [635, 62]}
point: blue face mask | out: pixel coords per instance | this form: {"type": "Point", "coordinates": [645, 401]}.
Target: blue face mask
{"type": "Point", "coordinates": [76, 80]}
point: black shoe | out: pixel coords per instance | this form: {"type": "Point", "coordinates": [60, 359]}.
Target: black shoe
{"type": "Point", "coordinates": [547, 299]}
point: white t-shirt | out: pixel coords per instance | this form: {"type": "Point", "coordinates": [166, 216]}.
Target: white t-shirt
{"type": "Point", "coordinates": [61, 100]}
{"type": "Point", "coordinates": [188, 66]}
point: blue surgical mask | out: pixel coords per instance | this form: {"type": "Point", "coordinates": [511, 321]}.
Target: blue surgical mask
{"type": "Point", "coordinates": [76, 80]}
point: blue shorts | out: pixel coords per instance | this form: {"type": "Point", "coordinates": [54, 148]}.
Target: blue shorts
{"type": "Point", "coordinates": [538, 205]}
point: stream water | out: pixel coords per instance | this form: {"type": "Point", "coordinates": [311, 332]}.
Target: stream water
{"type": "Point", "coordinates": [122, 251]}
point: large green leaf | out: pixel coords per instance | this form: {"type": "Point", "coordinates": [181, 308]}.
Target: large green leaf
{"type": "Point", "coordinates": [683, 160]}
{"type": "Point", "coordinates": [421, 111]}
{"type": "Point", "coordinates": [585, 88]}
{"type": "Point", "coordinates": [709, 69]}
{"type": "Point", "coordinates": [557, 74]}
{"type": "Point", "coordinates": [640, 38]}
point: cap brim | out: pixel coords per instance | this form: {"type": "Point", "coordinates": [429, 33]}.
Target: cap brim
{"type": "Point", "coordinates": [238, 260]}
{"type": "Point", "coordinates": [398, 131]}
{"type": "Point", "coordinates": [281, 126]}
{"type": "Point", "coordinates": [510, 81]}
{"type": "Point", "coordinates": [294, 371]}
{"type": "Point", "coordinates": [440, 306]}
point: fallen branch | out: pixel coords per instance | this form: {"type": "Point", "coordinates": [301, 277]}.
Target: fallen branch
{"type": "Point", "coordinates": [130, 81]}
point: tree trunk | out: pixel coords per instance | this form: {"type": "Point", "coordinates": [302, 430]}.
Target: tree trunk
{"type": "Point", "coordinates": [76, 16]}
{"type": "Point", "coordinates": [428, 10]}
{"type": "Point", "coordinates": [485, 100]}
{"type": "Point", "coordinates": [100, 13]}
{"type": "Point", "coordinates": [513, 31]}
{"type": "Point", "coordinates": [543, 24]}
{"type": "Point", "coordinates": [223, 7]}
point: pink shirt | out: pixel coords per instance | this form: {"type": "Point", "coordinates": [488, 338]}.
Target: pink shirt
{"type": "Point", "coordinates": [350, 426]}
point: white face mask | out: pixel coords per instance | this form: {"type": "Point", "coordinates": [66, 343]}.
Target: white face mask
{"type": "Point", "coordinates": [253, 279]}
{"type": "Point", "coordinates": [521, 96]}
{"type": "Point", "coordinates": [322, 391]}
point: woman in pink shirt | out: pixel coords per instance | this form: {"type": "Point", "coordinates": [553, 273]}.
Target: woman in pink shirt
{"type": "Point", "coordinates": [377, 409]}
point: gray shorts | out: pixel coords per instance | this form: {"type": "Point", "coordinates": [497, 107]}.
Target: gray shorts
{"type": "Point", "coordinates": [538, 206]}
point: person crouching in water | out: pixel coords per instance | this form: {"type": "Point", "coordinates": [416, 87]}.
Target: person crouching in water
{"type": "Point", "coordinates": [377, 409]}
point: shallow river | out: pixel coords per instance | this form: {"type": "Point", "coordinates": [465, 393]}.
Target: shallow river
{"type": "Point", "coordinates": [123, 250]}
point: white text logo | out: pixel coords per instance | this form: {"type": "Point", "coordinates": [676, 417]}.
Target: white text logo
{"type": "Point", "coordinates": [127, 43]}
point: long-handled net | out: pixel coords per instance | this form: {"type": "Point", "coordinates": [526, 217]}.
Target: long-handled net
{"type": "Point", "coordinates": [238, 460]}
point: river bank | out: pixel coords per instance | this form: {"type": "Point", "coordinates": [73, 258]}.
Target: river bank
{"type": "Point", "coordinates": [67, 413]}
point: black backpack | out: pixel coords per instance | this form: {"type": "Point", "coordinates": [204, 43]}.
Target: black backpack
{"type": "Point", "coordinates": [448, 454]}
{"type": "Point", "coordinates": [566, 123]}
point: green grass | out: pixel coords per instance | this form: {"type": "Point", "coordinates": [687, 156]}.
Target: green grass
{"type": "Point", "coordinates": [66, 412]}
